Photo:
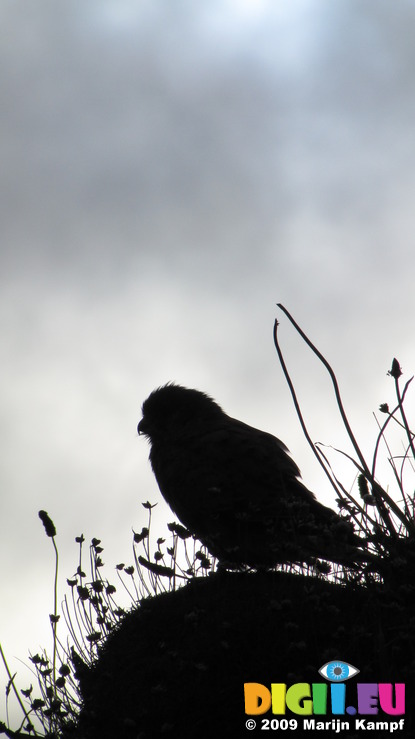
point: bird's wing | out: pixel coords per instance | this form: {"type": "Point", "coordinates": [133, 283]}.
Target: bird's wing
{"type": "Point", "coordinates": [230, 466]}
{"type": "Point", "coordinates": [241, 454]}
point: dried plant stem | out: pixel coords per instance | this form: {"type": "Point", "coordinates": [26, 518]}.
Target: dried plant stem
{"type": "Point", "coordinates": [403, 415]}
{"type": "Point", "coordinates": [398, 477]}
{"type": "Point", "coordinates": [11, 683]}
{"type": "Point", "coordinates": [380, 495]}
{"type": "Point", "coordinates": [333, 378]}
{"type": "Point", "coordinates": [314, 449]}
{"type": "Point", "coordinates": [55, 612]}
{"type": "Point", "coordinates": [340, 490]}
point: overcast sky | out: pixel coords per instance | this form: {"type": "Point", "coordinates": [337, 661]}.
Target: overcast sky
{"type": "Point", "coordinates": [169, 172]}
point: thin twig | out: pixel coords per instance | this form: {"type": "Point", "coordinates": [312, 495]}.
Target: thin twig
{"type": "Point", "coordinates": [398, 478]}
{"type": "Point", "coordinates": [297, 405]}
{"type": "Point", "coordinates": [335, 385]}
{"type": "Point", "coordinates": [55, 612]}
{"type": "Point", "coordinates": [11, 682]}
{"type": "Point", "coordinates": [402, 410]}
{"type": "Point", "coordinates": [380, 495]}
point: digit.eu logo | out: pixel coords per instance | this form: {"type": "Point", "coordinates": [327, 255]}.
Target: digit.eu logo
{"type": "Point", "coordinates": [330, 698]}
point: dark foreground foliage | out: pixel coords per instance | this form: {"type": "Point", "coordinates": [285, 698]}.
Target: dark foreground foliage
{"type": "Point", "coordinates": [174, 663]}
{"type": "Point", "coordinates": [176, 666]}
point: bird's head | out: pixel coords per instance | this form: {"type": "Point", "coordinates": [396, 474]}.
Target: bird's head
{"type": "Point", "coordinates": [171, 408]}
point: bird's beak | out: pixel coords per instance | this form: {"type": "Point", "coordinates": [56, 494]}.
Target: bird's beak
{"type": "Point", "coordinates": [141, 427]}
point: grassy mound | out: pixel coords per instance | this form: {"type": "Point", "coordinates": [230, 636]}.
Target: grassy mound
{"type": "Point", "coordinates": [177, 664]}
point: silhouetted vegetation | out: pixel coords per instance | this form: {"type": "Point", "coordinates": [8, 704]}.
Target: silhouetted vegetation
{"type": "Point", "coordinates": [174, 662]}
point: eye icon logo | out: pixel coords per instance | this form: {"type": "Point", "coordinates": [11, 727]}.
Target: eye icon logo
{"type": "Point", "coordinates": [338, 671]}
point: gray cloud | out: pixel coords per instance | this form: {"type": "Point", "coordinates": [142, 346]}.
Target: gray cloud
{"type": "Point", "coordinates": [168, 174]}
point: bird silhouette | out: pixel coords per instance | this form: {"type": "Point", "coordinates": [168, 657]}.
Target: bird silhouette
{"type": "Point", "coordinates": [236, 488]}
